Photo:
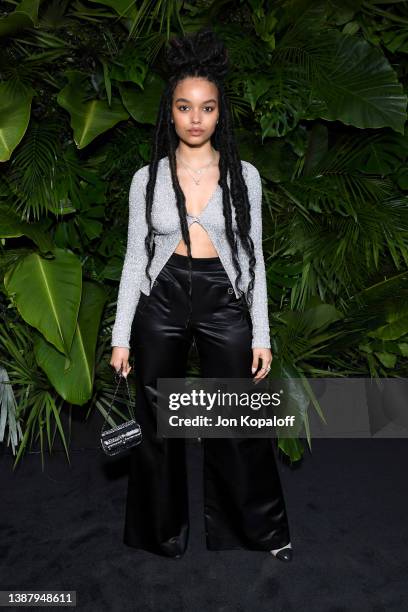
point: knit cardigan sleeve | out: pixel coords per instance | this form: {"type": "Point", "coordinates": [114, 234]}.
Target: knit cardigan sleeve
{"type": "Point", "coordinates": [134, 263]}
{"type": "Point", "coordinates": [259, 307]}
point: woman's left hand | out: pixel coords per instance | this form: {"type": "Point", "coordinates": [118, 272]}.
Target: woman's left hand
{"type": "Point", "coordinates": [266, 356]}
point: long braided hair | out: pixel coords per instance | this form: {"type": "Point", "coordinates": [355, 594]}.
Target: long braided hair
{"type": "Point", "coordinates": [202, 54]}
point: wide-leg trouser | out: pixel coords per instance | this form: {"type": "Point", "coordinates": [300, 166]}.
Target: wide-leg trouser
{"type": "Point", "coordinates": [243, 500]}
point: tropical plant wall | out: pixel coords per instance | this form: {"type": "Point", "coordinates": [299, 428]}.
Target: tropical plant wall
{"type": "Point", "coordinates": [318, 96]}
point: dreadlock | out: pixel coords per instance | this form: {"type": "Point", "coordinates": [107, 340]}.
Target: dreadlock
{"type": "Point", "coordinates": [203, 55]}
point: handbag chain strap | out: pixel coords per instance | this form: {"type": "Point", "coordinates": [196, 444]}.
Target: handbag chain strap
{"type": "Point", "coordinates": [119, 377]}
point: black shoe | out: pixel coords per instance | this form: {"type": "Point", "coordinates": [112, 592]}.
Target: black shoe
{"type": "Point", "coordinates": [284, 555]}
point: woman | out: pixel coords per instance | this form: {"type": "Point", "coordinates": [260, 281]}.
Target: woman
{"type": "Point", "coordinates": [181, 284]}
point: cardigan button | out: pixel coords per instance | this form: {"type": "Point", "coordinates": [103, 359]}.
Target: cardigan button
{"type": "Point", "coordinates": [155, 283]}
{"type": "Point", "coordinates": [230, 290]}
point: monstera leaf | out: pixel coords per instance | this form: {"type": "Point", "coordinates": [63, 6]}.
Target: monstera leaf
{"type": "Point", "coordinates": [347, 80]}
{"type": "Point", "coordinates": [361, 88]}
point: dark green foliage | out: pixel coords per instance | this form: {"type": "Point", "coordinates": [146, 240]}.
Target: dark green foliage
{"type": "Point", "coordinates": [317, 92]}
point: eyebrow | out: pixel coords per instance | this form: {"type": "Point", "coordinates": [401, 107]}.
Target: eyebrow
{"type": "Point", "coordinates": [185, 100]}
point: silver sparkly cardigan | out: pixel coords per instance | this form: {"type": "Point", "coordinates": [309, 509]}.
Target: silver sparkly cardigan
{"type": "Point", "coordinates": [168, 234]}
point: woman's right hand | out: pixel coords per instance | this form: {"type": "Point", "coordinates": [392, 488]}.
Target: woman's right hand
{"type": "Point", "coordinates": [120, 360]}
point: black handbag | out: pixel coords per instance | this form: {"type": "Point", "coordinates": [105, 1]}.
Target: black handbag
{"type": "Point", "coordinates": [122, 437]}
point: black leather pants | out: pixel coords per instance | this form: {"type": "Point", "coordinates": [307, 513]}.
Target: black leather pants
{"type": "Point", "coordinates": [243, 502]}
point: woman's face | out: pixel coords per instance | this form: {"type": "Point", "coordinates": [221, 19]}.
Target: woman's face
{"type": "Point", "coordinates": [195, 110]}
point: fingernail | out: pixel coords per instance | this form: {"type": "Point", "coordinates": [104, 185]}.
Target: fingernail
{"type": "Point", "coordinates": [253, 370]}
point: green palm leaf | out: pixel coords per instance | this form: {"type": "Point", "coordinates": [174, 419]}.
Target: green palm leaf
{"type": "Point", "coordinates": [89, 118]}
{"type": "Point", "coordinates": [15, 108]}
{"type": "Point", "coordinates": [73, 377]}
{"type": "Point", "coordinates": [47, 294]}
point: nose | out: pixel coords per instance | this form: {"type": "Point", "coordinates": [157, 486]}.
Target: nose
{"type": "Point", "coordinates": [196, 120]}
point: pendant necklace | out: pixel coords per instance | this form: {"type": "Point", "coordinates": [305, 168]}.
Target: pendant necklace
{"type": "Point", "coordinates": [197, 171]}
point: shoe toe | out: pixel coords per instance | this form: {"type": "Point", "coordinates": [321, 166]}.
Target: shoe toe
{"type": "Point", "coordinates": [284, 555]}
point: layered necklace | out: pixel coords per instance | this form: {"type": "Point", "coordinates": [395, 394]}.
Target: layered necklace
{"type": "Point", "coordinates": [196, 171]}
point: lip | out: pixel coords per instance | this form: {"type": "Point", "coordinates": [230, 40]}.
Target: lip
{"type": "Point", "coordinates": [196, 132]}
